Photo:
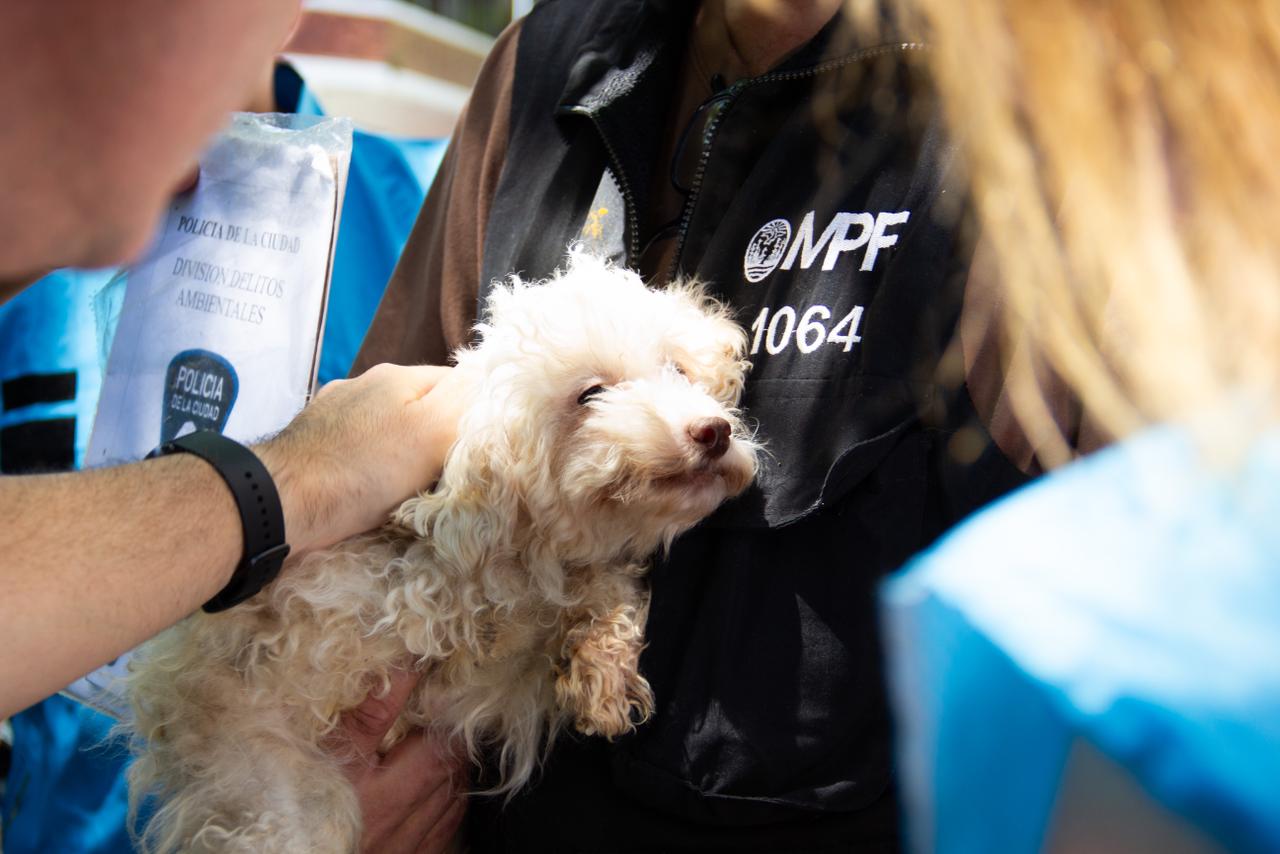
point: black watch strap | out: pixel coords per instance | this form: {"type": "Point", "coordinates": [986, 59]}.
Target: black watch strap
{"type": "Point", "coordinates": [260, 513]}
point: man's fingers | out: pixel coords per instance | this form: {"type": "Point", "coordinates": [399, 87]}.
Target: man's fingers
{"type": "Point", "coordinates": [423, 378]}
{"type": "Point", "coordinates": [442, 832]}
{"type": "Point", "coordinates": [367, 724]}
{"type": "Point", "coordinates": [425, 761]}
{"type": "Point", "coordinates": [432, 822]}
{"type": "Point", "coordinates": [417, 379]}
{"type": "Point", "coordinates": [421, 833]}
{"type": "Point", "coordinates": [412, 796]}
{"type": "Point", "coordinates": [328, 388]}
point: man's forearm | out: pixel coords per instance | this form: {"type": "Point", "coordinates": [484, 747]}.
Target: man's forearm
{"type": "Point", "coordinates": [94, 563]}
{"type": "Point", "coordinates": [97, 562]}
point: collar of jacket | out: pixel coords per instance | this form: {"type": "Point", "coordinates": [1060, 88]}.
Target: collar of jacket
{"type": "Point", "coordinates": [642, 33]}
{"type": "Point", "coordinates": [621, 80]}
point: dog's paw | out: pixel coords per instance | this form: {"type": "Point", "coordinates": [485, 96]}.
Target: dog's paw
{"type": "Point", "coordinates": [599, 682]}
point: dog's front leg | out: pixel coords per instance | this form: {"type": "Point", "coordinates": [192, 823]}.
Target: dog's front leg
{"type": "Point", "coordinates": [598, 680]}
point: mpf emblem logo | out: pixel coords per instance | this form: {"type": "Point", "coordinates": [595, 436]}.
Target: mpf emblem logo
{"type": "Point", "coordinates": [772, 246]}
{"type": "Point", "coordinates": [766, 249]}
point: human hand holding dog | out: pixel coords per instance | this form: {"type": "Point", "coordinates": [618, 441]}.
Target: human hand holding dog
{"type": "Point", "coordinates": [361, 447]}
{"type": "Point", "coordinates": [411, 798]}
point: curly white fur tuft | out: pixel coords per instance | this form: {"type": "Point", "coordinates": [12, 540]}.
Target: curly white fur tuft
{"type": "Point", "coordinates": [602, 424]}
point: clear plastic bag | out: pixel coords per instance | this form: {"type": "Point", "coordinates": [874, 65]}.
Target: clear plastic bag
{"type": "Point", "coordinates": [218, 327]}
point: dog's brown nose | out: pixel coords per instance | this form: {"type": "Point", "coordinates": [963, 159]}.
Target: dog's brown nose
{"type": "Point", "coordinates": [712, 434]}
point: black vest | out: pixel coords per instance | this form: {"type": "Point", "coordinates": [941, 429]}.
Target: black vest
{"type": "Point", "coordinates": [820, 213]}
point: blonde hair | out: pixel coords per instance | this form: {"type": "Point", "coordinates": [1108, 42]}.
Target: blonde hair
{"type": "Point", "coordinates": [1122, 159]}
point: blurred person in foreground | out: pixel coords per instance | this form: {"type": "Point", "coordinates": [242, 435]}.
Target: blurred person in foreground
{"type": "Point", "coordinates": [108, 105]}
{"type": "Point", "coordinates": [1091, 664]}
{"type": "Point", "coordinates": [796, 167]}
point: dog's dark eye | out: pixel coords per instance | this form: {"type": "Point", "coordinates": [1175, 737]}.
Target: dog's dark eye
{"type": "Point", "coordinates": [590, 393]}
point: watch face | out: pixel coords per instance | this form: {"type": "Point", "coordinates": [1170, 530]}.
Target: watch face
{"type": "Point", "coordinates": [200, 388]}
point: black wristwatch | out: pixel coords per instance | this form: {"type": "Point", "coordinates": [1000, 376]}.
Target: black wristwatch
{"type": "Point", "coordinates": [260, 513]}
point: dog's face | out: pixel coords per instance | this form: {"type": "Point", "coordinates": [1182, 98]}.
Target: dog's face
{"type": "Point", "coordinates": [604, 421]}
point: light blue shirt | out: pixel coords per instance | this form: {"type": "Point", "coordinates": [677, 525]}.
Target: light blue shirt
{"type": "Point", "coordinates": [1131, 600]}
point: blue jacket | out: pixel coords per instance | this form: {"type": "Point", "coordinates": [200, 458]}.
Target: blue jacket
{"type": "Point", "coordinates": [1129, 603]}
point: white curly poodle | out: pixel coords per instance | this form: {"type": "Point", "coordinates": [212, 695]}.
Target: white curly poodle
{"type": "Point", "coordinates": [603, 424]}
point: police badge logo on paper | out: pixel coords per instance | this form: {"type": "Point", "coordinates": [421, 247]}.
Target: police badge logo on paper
{"type": "Point", "coordinates": [199, 390]}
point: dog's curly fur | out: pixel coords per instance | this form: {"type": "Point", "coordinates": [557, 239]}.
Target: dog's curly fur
{"type": "Point", "coordinates": [595, 436]}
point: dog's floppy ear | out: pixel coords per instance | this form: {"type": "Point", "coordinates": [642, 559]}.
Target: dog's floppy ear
{"type": "Point", "coordinates": [470, 515]}
{"type": "Point", "coordinates": [720, 358]}
{"type": "Point", "coordinates": [478, 517]}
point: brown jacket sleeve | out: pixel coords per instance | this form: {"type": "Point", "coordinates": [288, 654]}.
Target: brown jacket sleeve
{"type": "Point", "coordinates": [430, 303]}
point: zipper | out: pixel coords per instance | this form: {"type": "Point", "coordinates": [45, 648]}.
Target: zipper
{"type": "Point", "coordinates": [632, 224]}
{"type": "Point", "coordinates": [628, 198]}
{"type": "Point", "coordinates": [730, 96]}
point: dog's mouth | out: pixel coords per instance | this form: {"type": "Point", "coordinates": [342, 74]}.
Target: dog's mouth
{"type": "Point", "coordinates": [704, 481]}
{"type": "Point", "coordinates": [699, 478]}
{"type": "Point", "coordinates": [721, 474]}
